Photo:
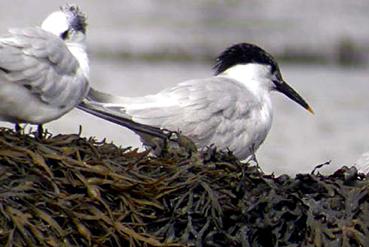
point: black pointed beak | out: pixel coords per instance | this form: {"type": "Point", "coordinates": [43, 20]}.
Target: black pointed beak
{"type": "Point", "coordinates": [284, 88]}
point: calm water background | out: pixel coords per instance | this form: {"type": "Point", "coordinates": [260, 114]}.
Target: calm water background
{"type": "Point", "coordinates": [139, 47]}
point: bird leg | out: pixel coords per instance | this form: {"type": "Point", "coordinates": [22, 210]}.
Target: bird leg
{"type": "Point", "coordinates": [18, 128]}
{"type": "Point", "coordinates": [253, 157]}
{"type": "Point", "coordinates": [40, 131]}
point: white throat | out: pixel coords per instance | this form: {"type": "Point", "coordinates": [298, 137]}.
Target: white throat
{"type": "Point", "coordinates": [78, 50]}
{"type": "Point", "coordinates": [255, 77]}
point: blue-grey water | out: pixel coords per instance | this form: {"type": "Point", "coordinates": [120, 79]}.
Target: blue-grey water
{"type": "Point", "coordinates": [196, 29]}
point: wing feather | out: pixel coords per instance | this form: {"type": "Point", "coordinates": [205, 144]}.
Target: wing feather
{"type": "Point", "coordinates": [195, 107]}
{"type": "Point", "coordinates": [41, 62]}
{"type": "Point", "coordinates": [203, 110]}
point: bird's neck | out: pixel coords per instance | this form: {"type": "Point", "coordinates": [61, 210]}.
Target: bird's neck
{"type": "Point", "coordinates": [254, 77]}
{"type": "Point", "coordinates": [78, 49]}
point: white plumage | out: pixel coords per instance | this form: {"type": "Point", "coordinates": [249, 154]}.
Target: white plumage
{"type": "Point", "coordinates": [231, 110]}
{"type": "Point", "coordinates": [41, 79]}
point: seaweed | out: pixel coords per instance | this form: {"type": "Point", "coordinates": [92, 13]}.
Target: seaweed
{"type": "Point", "coordinates": [66, 190]}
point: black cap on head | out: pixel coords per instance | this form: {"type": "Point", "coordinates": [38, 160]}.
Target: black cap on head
{"type": "Point", "coordinates": [242, 54]}
{"type": "Point", "coordinates": [245, 53]}
{"type": "Point", "coordinates": [76, 18]}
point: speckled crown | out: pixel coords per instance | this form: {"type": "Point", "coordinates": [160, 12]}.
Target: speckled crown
{"type": "Point", "coordinates": [78, 19]}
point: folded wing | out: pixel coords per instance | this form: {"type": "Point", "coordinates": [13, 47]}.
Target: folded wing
{"type": "Point", "coordinates": [199, 109]}
{"type": "Point", "coordinates": [41, 62]}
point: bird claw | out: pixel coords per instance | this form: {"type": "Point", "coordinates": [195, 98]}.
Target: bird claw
{"type": "Point", "coordinates": [172, 135]}
{"type": "Point", "coordinates": [208, 152]}
{"type": "Point", "coordinates": [174, 144]}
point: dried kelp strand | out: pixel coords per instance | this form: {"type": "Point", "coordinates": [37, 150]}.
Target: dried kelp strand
{"type": "Point", "coordinates": [66, 190]}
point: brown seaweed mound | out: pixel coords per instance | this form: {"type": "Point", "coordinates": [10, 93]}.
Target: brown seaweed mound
{"type": "Point", "coordinates": [66, 190]}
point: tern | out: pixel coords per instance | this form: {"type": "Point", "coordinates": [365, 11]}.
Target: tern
{"type": "Point", "coordinates": [44, 70]}
{"type": "Point", "coordinates": [231, 110]}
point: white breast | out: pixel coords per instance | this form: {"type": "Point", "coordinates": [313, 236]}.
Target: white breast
{"type": "Point", "coordinates": [249, 131]}
{"type": "Point", "coordinates": [79, 52]}
{"type": "Point", "coordinates": [246, 133]}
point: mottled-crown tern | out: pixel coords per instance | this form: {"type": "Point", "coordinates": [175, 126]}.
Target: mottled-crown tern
{"type": "Point", "coordinates": [231, 110]}
{"type": "Point", "coordinates": [44, 70]}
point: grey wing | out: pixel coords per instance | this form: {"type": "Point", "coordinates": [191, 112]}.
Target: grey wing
{"type": "Point", "coordinates": [196, 108]}
{"type": "Point", "coordinates": [41, 62]}
{"type": "Point", "coordinates": [114, 115]}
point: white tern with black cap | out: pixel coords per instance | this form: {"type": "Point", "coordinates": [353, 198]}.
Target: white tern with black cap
{"type": "Point", "coordinates": [44, 70]}
{"type": "Point", "coordinates": [231, 109]}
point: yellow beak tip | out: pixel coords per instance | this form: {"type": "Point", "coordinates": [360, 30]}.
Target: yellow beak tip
{"type": "Point", "coordinates": [310, 110]}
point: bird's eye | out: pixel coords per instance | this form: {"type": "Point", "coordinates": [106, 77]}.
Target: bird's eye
{"type": "Point", "coordinates": [64, 35]}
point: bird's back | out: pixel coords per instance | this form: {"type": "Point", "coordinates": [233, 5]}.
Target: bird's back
{"type": "Point", "coordinates": [39, 78]}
